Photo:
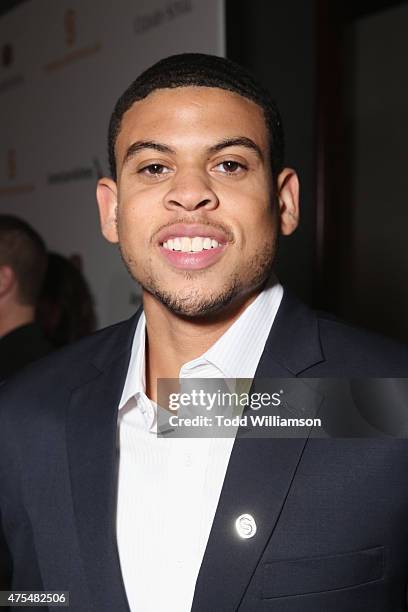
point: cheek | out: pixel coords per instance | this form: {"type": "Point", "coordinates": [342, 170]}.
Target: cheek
{"type": "Point", "coordinates": [258, 227]}
{"type": "Point", "coordinates": [132, 224]}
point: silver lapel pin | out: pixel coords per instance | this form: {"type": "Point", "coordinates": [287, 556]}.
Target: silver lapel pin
{"type": "Point", "coordinates": [245, 526]}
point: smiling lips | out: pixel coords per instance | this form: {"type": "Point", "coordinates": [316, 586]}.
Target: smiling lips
{"type": "Point", "coordinates": [192, 246]}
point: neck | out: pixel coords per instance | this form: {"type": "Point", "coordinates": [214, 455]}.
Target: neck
{"type": "Point", "coordinates": [173, 340]}
{"type": "Point", "coordinates": [15, 316]}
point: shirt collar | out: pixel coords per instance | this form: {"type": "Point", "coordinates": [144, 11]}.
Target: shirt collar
{"type": "Point", "coordinates": [135, 382]}
{"type": "Point", "coordinates": [236, 354]}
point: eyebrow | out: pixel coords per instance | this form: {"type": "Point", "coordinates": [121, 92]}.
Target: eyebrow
{"type": "Point", "coordinates": [239, 141]}
{"type": "Point", "coordinates": [140, 145]}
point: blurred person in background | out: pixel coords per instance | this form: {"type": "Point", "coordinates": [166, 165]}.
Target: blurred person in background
{"type": "Point", "coordinates": [23, 264]}
{"type": "Point", "coordinates": [65, 309]}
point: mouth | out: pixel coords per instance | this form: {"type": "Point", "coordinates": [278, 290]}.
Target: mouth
{"type": "Point", "coordinates": [192, 247]}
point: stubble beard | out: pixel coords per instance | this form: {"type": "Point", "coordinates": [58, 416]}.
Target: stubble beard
{"type": "Point", "coordinates": [194, 302]}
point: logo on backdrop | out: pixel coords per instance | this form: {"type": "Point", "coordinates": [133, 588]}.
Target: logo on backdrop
{"type": "Point", "coordinates": [70, 27]}
{"type": "Point", "coordinates": [11, 187]}
{"type": "Point", "coordinates": [70, 24]}
{"type": "Point", "coordinates": [153, 19]}
{"type": "Point", "coordinates": [78, 173]}
{"type": "Point", "coordinates": [7, 60]}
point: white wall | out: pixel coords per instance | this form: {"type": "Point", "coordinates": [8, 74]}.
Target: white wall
{"type": "Point", "coordinates": [69, 62]}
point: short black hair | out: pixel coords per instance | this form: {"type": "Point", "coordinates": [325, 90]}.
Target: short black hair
{"type": "Point", "coordinates": [200, 70]}
{"type": "Point", "coordinates": [23, 249]}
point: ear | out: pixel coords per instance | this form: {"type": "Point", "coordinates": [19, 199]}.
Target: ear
{"type": "Point", "coordinates": [288, 197]}
{"type": "Point", "coordinates": [107, 197]}
{"type": "Point", "coordinates": [7, 280]}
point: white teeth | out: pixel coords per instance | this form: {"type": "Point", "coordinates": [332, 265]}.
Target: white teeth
{"type": "Point", "coordinates": [188, 245]}
{"type": "Point", "coordinates": [197, 244]}
{"type": "Point", "coordinates": [185, 244]}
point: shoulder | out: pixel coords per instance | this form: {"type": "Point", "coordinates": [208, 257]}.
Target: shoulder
{"type": "Point", "coordinates": [312, 343]}
{"type": "Point", "coordinates": [60, 372]}
{"type": "Point", "coordinates": [362, 353]}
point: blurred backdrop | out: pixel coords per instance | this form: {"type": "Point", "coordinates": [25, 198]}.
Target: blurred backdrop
{"type": "Point", "coordinates": [337, 73]}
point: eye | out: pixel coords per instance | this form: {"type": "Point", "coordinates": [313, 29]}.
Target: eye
{"type": "Point", "coordinates": [230, 166]}
{"type": "Point", "coordinates": [154, 170]}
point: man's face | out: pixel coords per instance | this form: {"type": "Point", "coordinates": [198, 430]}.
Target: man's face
{"type": "Point", "coordinates": [196, 216]}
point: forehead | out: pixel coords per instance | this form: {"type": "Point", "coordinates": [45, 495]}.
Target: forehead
{"type": "Point", "coordinates": [185, 115]}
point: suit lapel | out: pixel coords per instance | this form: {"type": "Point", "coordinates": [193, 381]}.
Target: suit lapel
{"type": "Point", "coordinates": [259, 474]}
{"type": "Point", "coordinates": [91, 427]}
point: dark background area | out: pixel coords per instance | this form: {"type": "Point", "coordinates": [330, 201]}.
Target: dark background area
{"type": "Point", "coordinates": [7, 5]}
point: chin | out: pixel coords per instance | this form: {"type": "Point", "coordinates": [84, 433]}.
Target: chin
{"type": "Point", "coordinates": [194, 302]}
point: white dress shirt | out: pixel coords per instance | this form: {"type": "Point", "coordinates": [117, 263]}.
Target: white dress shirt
{"type": "Point", "coordinates": [168, 488]}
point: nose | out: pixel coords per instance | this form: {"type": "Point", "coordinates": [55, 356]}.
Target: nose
{"type": "Point", "coordinates": [191, 191]}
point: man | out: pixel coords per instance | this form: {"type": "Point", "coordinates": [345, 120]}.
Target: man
{"type": "Point", "coordinates": [91, 500]}
{"type": "Point", "coordinates": [23, 262]}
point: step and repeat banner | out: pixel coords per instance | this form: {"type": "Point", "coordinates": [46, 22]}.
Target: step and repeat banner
{"type": "Point", "coordinates": [62, 67]}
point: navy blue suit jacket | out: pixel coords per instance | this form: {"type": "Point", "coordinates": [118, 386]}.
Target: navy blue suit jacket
{"type": "Point", "coordinates": [332, 515]}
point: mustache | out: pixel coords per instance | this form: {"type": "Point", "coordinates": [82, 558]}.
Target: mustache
{"type": "Point", "coordinates": [192, 220]}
